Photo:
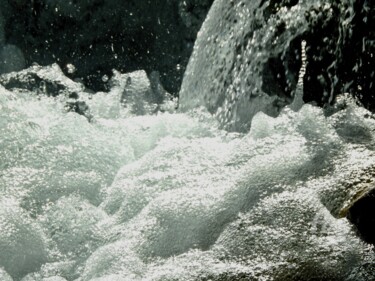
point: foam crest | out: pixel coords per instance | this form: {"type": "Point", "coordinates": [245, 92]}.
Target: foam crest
{"type": "Point", "coordinates": [171, 197]}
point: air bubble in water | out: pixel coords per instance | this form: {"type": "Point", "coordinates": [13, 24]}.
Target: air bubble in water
{"type": "Point", "coordinates": [105, 78]}
{"type": "Point", "coordinates": [70, 68]}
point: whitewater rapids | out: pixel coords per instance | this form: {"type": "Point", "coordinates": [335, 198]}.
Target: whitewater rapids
{"type": "Point", "coordinates": [170, 196]}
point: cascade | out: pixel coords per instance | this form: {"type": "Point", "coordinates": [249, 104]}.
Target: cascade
{"type": "Point", "coordinates": [243, 180]}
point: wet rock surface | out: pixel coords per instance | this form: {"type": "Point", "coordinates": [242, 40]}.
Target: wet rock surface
{"type": "Point", "coordinates": [248, 56]}
{"type": "Point", "coordinates": [341, 52]}
{"type": "Point", "coordinates": [98, 36]}
{"type": "Point", "coordinates": [138, 195]}
{"type": "Point", "coordinates": [362, 215]}
{"type": "Point", "coordinates": [39, 79]}
{"type": "Point", "coordinates": [139, 93]}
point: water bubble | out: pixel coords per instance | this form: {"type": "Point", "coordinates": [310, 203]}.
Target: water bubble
{"type": "Point", "coordinates": [105, 78]}
{"type": "Point", "coordinates": [70, 68]}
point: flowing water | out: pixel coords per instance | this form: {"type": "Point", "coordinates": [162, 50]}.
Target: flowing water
{"type": "Point", "coordinates": [172, 197]}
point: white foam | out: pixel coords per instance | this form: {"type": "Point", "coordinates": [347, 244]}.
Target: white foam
{"type": "Point", "coordinates": [170, 196]}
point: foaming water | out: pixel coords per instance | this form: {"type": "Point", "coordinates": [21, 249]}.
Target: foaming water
{"type": "Point", "coordinates": [172, 197]}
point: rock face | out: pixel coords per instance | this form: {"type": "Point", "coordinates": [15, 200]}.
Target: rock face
{"type": "Point", "coordinates": [341, 52]}
{"type": "Point", "coordinates": [248, 56]}
{"type": "Point", "coordinates": [47, 80]}
{"type": "Point", "coordinates": [98, 36]}
{"type": "Point", "coordinates": [361, 214]}
{"type": "Point", "coordinates": [137, 92]}
{"type": "Point", "coordinates": [346, 193]}
{"type": "Point", "coordinates": [353, 197]}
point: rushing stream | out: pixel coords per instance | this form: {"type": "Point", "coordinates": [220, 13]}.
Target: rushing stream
{"type": "Point", "coordinates": [170, 196]}
{"type": "Point", "coordinates": [122, 186]}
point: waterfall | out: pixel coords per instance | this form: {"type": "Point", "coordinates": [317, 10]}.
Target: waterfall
{"type": "Point", "coordinates": [245, 180]}
{"type": "Point", "coordinates": [298, 95]}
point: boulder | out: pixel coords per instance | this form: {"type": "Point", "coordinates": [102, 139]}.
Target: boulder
{"type": "Point", "coordinates": [98, 36]}
{"type": "Point", "coordinates": [139, 93]}
{"type": "Point", "coordinates": [361, 215]}
{"type": "Point", "coordinates": [47, 80]}
{"type": "Point", "coordinates": [340, 196]}
{"type": "Point", "coordinates": [247, 57]}
{"type": "Point", "coordinates": [340, 52]}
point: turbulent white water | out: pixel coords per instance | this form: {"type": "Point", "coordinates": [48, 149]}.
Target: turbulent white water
{"type": "Point", "coordinates": [171, 197]}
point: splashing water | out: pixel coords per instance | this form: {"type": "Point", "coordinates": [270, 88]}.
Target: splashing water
{"type": "Point", "coordinates": [172, 197]}
{"type": "Point", "coordinates": [128, 192]}
{"type": "Point", "coordinates": [247, 57]}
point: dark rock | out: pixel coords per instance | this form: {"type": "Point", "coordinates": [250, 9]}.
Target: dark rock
{"type": "Point", "coordinates": [248, 56]}
{"type": "Point", "coordinates": [137, 92]}
{"type": "Point", "coordinates": [340, 54]}
{"type": "Point", "coordinates": [246, 59]}
{"type": "Point", "coordinates": [339, 195]}
{"type": "Point", "coordinates": [98, 36]}
{"type": "Point", "coordinates": [353, 197]}
{"type": "Point", "coordinates": [46, 80]}
{"type": "Point", "coordinates": [49, 81]}
{"type": "Point", "coordinates": [79, 107]}
{"type": "Point", "coordinates": [362, 215]}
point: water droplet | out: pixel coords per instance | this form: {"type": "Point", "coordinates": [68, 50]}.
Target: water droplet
{"type": "Point", "coordinates": [105, 78]}
{"type": "Point", "coordinates": [70, 68]}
